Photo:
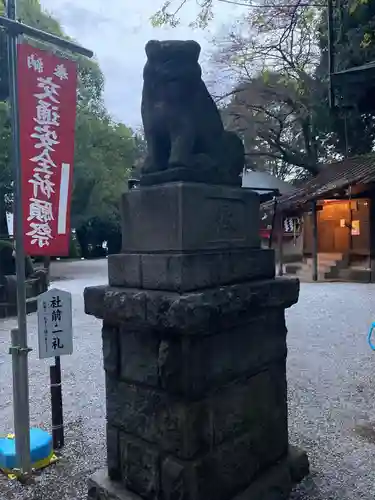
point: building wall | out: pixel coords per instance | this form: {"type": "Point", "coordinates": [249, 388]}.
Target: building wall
{"type": "Point", "coordinates": [343, 227]}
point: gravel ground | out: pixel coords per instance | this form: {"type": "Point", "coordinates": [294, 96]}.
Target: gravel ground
{"type": "Point", "coordinates": [331, 389]}
{"type": "Point", "coordinates": [83, 394]}
{"type": "Point", "coordinates": [332, 404]}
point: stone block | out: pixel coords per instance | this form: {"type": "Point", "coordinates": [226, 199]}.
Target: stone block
{"type": "Point", "coordinates": [225, 471]}
{"type": "Point", "coordinates": [113, 453]}
{"type": "Point", "coordinates": [142, 353]}
{"type": "Point", "coordinates": [111, 349]}
{"type": "Point", "coordinates": [209, 310]}
{"type": "Point", "coordinates": [140, 467]}
{"type": "Point", "coordinates": [152, 415]}
{"type": "Point", "coordinates": [101, 487]}
{"type": "Point", "coordinates": [125, 270]}
{"type": "Point", "coordinates": [187, 428]}
{"type": "Point", "coordinates": [190, 365]}
{"type": "Point", "coordinates": [189, 271]}
{"type": "Point", "coordinates": [181, 217]}
{"type": "Point", "coordinates": [274, 483]}
{"type": "Point", "coordinates": [256, 404]}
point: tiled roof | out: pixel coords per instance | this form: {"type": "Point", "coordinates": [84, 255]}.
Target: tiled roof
{"type": "Point", "coordinates": [332, 178]}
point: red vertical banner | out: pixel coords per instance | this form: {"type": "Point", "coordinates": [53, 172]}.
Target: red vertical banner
{"type": "Point", "coordinates": [47, 90]}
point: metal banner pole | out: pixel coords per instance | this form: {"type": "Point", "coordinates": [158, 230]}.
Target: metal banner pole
{"type": "Point", "coordinates": [21, 350]}
{"type": "Point", "coordinates": [315, 241]}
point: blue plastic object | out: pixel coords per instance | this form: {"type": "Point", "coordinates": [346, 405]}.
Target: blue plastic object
{"type": "Point", "coordinates": [369, 336]}
{"type": "Point", "coordinates": [40, 449]}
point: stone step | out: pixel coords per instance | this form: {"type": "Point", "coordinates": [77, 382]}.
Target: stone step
{"type": "Point", "coordinates": [356, 275]}
{"type": "Point", "coordinates": [292, 268]}
{"type": "Point", "coordinates": [304, 276]}
{"type": "Point", "coordinates": [323, 267]}
{"type": "Point", "coordinates": [324, 263]}
{"type": "Point", "coordinates": [330, 256]}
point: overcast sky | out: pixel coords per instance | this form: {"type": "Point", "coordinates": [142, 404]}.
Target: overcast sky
{"type": "Point", "coordinates": [117, 30]}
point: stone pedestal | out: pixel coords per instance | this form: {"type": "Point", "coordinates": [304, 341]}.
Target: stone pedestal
{"type": "Point", "coordinates": [194, 343]}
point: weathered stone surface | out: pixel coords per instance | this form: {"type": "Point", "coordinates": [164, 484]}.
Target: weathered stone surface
{"type": "Point", "coordinates": [189, 365]}
{"type": "Point", "coordinates": [189, 271]}
{"type": "Point", "coordinates": [113, 453]}
{"type": "Point", "coordinates": [298, 464]}
{"type": "Point", "coordinates": [125, 270]}
{"type": "Point", "coordinates": [186, 428]}
{"type": "Point", "coordinates": [196, 312]}
{"type": "Point", "coordinates": [275, 483]}
{"type": "Point", "coordinates": [142, 354]}
{"type": "Point", "coordinates": [256, 404]}
{"type": "Point", "coordinates": [184, 217]}
{"type": "Point", "coordinates": [111, 349]}
{"type": "Point", "coordinates": [101, 487]}
{"type": "Point", "coordinates": [153, 416]}
{"type": "Point", "coordinates": [140, 467]}
{"type": "Point", "coordinates": [222, 473]}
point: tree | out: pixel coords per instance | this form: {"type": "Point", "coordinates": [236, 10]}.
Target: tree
{"type": "Point", "coordinates": [90, 79]}
{"type": "Point", "coordinates": [276, 125]}
{"type": "Point", "coordinates": [104, 156]}
{"type": "Point", "coordinates": [277, 56]}
{"type": "Point", "coordinates": [270, 55]}
{"type": "Point", "coordinates": [5, 173]}
{"type": "Point", "coordinates": [276, 104]}
{"type": "Point", "coordinates": [170, 10]}
{"type": "Point", "coordinates": [104, 152]}
{"type": "Point", "coordinates": [353, 45]}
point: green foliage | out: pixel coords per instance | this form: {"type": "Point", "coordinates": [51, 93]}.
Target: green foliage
{"type": "Point", "coordinates": [104, 150]}
{"type": "Point", "coordinates": [104, 155]}
{"type": "Point", "coordinates": [5, 137]}
{"type": "Point", "coordinates": [168, 13]}
{"type": "Point", "coordinates": [288, 121]}
{"type": "Point", "coordinates": [91, 79]}
{"type": "Point", "coordinates": [354, 45]}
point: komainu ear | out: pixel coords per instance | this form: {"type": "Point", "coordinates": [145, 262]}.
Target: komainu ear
{"type": "Point", "coordinates": [194, 49]}
{"type": "Point", "coordinates": [152, 49]}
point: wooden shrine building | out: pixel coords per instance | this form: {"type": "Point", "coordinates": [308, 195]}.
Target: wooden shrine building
{"type": "Point", "coordinates": [336, 234]}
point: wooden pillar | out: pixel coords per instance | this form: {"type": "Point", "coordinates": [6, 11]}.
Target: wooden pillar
{"type": "Point", "coordinates": [372, 235]}
{"type": "Point", "coordinates": [270, 240]}
{"type": "Point", "coordinates": [315, 242]}
{"type": "Point", "coordinates": [280, 243]}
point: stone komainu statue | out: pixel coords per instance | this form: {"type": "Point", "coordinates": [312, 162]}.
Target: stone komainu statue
{"type": "Point", "coordinates": [182, 124]}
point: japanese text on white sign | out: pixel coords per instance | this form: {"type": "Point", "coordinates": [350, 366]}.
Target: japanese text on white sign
{"type": "Point", "coordinates": [55, 332]}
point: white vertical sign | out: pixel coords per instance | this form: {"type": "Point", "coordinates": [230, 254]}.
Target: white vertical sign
{"type": "Point", "coordinates": [63, 198]}
{"type": "Point", "coordinates": [55, 330]}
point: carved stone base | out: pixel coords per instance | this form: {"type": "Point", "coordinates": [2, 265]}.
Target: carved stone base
{"type": "Point", "coordinates": [275, 484]}
{"type": "Point", "coordinates": [194, 348]}
{"type": "Point", "coordinates": [183, 272]}
{"type": "Point", "coordinates": [189, 217]}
